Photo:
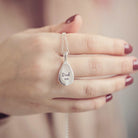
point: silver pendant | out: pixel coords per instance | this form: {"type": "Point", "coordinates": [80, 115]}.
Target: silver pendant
{"type": "Point", "coordinates": [66, 75]}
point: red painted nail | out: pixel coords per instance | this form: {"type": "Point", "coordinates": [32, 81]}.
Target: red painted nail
{"type": "Point", "coordinates": [128, 48]}
{"type": "Point", "coordinates": [70, 19]}
{"type": "Point", "coordinates": [109, 97]}
{"type": "Point", "coordinates": [2, 116]}
{"type": "Point", "coordinates": [129, 80]}
{"type": "Point", "coordinates": [135, 64]}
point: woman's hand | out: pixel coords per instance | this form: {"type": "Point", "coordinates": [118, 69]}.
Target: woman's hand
{"type": "Point", "coordinates": [30, 62]}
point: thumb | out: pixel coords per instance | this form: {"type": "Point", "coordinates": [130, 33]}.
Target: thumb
{"type": "Point", "coordinates": [71, 25]}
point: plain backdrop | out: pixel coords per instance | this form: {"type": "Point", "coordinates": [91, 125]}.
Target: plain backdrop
{"type": "Point", "coordinates": [122, 21]}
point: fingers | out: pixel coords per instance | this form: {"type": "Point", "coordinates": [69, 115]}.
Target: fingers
{"type": "Point", "coordinates": [94, 88]}
{"type": "Point", "coordinates": [71, 25]}
{"type": "Point", "coordinates": [87, 66]}
{"type": "Point", "coordinates": [93, 44]}
{"type": "Point", "coordinates": [85, 44]}
{"type": "Point", "coordinates": [73, 105]}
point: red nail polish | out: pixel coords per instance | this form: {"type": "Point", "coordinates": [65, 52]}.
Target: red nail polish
{"type": "Point", "coordinates": [129, 80]}
{"type": "Point", "coordinates": [70, 19]}
{"type": "Point", "coordinates": [109, 97]}
{"type": "Point", "coordinates": [128, 49]}
{"type": "Point", "coordinates": [2, 116]}
{"type": "Point", "coordinates": [135, 64]}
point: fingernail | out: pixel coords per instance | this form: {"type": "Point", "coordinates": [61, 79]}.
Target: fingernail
{"type": "Point", "coordinates": [135, 64]}
{"type": "Point", "coordinates": [129, 80]}
{"type": "Point", "coordinates": [128, 48]}
{"type": "Point", "coordinates": [2, 116]}
{"type": "Point", "coordinates": [70, 19]}
{"type": "Point", "coordinates": [109, 97]}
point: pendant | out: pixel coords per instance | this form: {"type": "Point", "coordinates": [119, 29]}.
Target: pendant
{"type": "Point", "coordinates": [66, 75]}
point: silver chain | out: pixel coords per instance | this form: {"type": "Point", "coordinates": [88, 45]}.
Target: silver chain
{"type": "Point", "coordinates": [64, 45]}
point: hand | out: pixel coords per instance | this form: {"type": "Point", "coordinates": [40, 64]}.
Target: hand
{"type": "Point", "coordinates": [30, 62]}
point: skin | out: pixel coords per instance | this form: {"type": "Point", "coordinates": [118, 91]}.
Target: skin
{"type": "Point", "coordinates": [30, 62]}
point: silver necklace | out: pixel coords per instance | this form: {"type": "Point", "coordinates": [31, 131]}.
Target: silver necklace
{"type": "Point", "coordinates": [66, 74]}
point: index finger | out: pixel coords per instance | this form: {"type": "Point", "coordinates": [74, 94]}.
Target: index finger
{"type": "Point", "coordinates": [95, 44]}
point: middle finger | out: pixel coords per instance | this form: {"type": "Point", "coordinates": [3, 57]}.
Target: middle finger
{"type": "Point", "coordinates": [100, 65]}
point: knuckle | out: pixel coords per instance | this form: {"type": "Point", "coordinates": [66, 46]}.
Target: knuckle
{"type": "Point", "coordinates": [89, 91]}
{"type": "Point", "coordinates": [94, 67]}
{"type": "Point", "coordinates": [34, 104]}
{"type": "Point", "coordinates": [88, 42]}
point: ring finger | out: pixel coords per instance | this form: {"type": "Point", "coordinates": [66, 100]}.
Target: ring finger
{"type": "Point", "coordinates": [93, 88]}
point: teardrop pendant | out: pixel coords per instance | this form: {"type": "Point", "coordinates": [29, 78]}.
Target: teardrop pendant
{"type": "Point", "coordinates": [66, 75]}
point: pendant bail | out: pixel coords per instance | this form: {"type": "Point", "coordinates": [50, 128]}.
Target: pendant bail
{"type": "Point", "coordinates": [65, 56]}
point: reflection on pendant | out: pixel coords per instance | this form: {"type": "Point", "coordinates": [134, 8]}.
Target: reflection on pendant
{"type": "Point", "coordinates": [66, 75]}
